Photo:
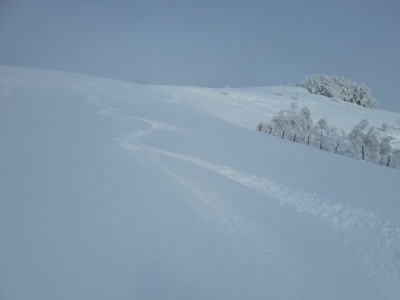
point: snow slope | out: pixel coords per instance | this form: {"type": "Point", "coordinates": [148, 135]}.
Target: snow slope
{"type": "Point", "coordinates": [112, 190]}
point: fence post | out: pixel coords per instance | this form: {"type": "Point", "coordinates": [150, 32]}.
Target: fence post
{"type": "Point", "coordinates": [308, 140]}
{"type": "Point", "coordinates": [320, 146]}
{"type": "Point", "coordinates": [294, 138]}
{"type": "Point", "coordinates": [362, 151]}
{"type": "Point", "coordinates": [388, 162]}
{"type": "Point", "coordinates": [337, 147]}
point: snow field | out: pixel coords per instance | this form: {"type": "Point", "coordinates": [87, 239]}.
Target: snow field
{"type": "Point", "coordinates": [115, 190]}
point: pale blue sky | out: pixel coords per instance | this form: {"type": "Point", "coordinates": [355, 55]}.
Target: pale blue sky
{"type": "Point", "coordinates": [209, 43]}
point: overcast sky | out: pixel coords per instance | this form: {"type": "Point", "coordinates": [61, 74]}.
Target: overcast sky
{"type": "Point", "coordinates": [209, 42]}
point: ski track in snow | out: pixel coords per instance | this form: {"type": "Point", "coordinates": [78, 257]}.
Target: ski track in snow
{"type": "Point", "coordinates": [266, 256]}
{"type": "Point", "coordinates": [374, 240]}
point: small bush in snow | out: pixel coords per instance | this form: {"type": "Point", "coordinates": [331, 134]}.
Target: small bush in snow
{"type": "Point", "coordinates": [339, 87]}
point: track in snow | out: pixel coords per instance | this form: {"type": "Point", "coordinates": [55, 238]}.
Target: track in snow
{"type": "Point", "coordinates": [374, 240]}
{"type": "Point", "coordinates": [266, 256]}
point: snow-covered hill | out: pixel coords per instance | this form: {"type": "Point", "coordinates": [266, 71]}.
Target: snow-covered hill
{"type": "Point", "coordinates": [112, 190]}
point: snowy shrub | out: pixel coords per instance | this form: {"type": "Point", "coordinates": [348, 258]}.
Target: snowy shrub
{"type": "Point", "coordinates": [363, 142]}
{"type": "Point", "coordinates": [339, 87]}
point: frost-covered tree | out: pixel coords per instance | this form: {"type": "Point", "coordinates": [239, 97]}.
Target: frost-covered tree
{"type": "Point", "coordinates": [323, 131]}
{"type": "Point", "coordinates": [278, 123]}
{"type": "Point", "coordinates": [343, 145]}
{"type": "Point", "coordinates": [371, 144]}
{"type": "Point", "coordinates": [306, 121]}
{"type": "Point", "coordinates": [357, 135]}
{"type": "Point", "coordinates": [339, 87]}
{"type": "Point", "coordinates": [385, 149]}
{"type": "Point", "coordinates": [322, 125]}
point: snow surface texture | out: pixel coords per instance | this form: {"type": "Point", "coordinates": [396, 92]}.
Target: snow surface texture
{"type": "Point", "coordinates": [112, 190]}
